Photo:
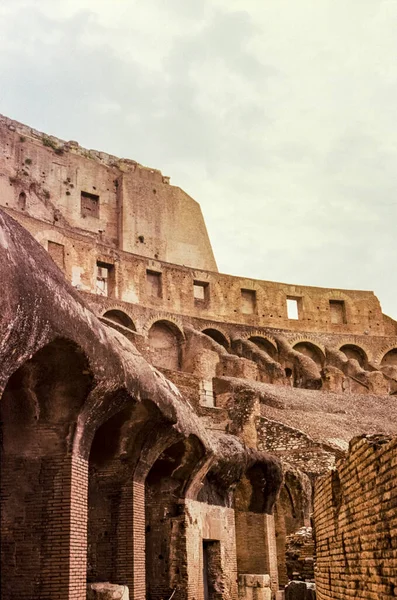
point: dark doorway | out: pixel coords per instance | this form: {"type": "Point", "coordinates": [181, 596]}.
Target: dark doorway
{"type": "Point", "coordinates": [212, 570]}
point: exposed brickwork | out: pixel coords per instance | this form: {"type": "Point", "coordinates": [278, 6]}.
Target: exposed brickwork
{"type": "Point", "coordinates": [256, 545]}
{"type": "Point", "coordinates": [131, 539]}
{"type": "Point", "coordinates": [46, 547]}
{"type": "Point", "coordinates": [300, 451]}
{"type": "Point", "coordinates": [355, 523]}
{"type": "Point", "coordinates": [204, 522]}
{"type": "Point", "coordinates": [165, 547]}
{"type": "Point", "coordinates": [300, 555]}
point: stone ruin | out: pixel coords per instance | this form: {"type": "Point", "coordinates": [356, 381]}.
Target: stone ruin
{"type": "Point", "coordinates": [169, 431]}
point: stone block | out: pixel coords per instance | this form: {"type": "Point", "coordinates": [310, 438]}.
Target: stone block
{"type": "Point", "coordinates": [107, 591]}
{"type": "Point", "coordinates": [254, 580]}
{"type": "Point", "coordinates": [296, 590]}
{"type": "Point", "coordinates": [254, 587]}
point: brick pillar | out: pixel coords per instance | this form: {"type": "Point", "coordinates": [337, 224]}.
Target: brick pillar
{"type": "Point", "coordinates": [271, 545]}
{"type": "Point", "coordinates": [64, 556]}
{"type": "Point", "coordinates": [131, 540]}
{"type": "Point", "coordinates": [256, 545]}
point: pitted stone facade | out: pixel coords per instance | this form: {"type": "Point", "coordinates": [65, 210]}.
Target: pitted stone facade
{"type": "Point", "coordinates": [163, 424]}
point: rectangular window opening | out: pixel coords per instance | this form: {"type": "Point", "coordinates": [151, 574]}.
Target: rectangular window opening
{"type": "Point", "coordinates": [337, 312]}
{"type": "Point", "coordinates": [248, 302]}
{"type": "Point", "coordinates": [89, 205]}
{"type": "Point", "coordinates": [201, 292]}
{"type": "Point", "coordinates": [105, 279]}
{"type": "Point", "coordinates": [154, 284]}
{"type": "Point", "coordinates": [293, 308]}
{"type": "Point", "coordinates": [57, 253]}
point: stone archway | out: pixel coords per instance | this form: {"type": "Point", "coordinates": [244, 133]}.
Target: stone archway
{"type": "Point", "coordinates": [43, 483]}
{"type": "Point", "coordinates": [165, 519]}
{"type": "Point", "coordinates": [120, 318]}
{"type": "Point", "coordinates": [165, 345]}
{"type": "Point", "coordinates": [312, 351]}
{"type": "Point", "coordinates": [356, 353]}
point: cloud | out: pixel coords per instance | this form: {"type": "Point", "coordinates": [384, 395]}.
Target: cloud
{"type": "Point", "coordinates": [277, 117]}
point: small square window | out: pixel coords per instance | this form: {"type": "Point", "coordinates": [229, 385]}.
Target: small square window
{"type": "Point", "coordinates": [200, 292]}
{"type": "Point", "coordinates": [293, 308]}
{"type": "Point", "coordinates": [337, 312]}
{"type": "Point", "coordinates": [89, 205]}
{"type": "Point", "coordinates": [22, 201]}
{"type": "Point", "coordinates": [248, 302]}
{"type": "Point", "coordinates": [57, 253]}
{"type": "Point", "coordinates": [104, 279]}
{"type": "Point", "coordinates": [154, 284]}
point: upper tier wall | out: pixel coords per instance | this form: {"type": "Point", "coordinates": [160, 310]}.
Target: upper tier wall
{"type": "Point", "coordinates": [92, 211]}
{"type": "Point", "coordinates": [131, 207]}
{"type": "Point", "coordinates": [168, 287]}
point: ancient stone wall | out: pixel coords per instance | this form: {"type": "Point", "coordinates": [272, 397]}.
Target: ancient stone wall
{"type": "Point", "coordinates": [260, 367]}
{"type": "Point", "coordinates": [118, 202]}
{"type": "Point", "coordinates": [300, 555]}
{"type": "Point", "coordinates": [295, 447]}
{"type": "Point", "coordinates": [95, 214]}
{"type": "Point", "coordinates": [131, 276]}
{"type": "Point", "coordinates": [355, 523]}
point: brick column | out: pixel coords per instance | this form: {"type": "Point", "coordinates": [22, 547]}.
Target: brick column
{"type": "Point", "coordinates": [271, 545]}
{"type": "Point", "coordinates": [131, 540]}
{"type": "Point", "coordinates": [64, 556]}
{"type": "Point", "coordinates": [256, 545]}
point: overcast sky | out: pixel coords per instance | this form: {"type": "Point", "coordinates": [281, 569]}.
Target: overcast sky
{"type": "Point", "coordinates": [278, 116]}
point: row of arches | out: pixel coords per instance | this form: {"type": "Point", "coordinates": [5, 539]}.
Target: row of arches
{"type": "Point", "coordinates": [165, 339]}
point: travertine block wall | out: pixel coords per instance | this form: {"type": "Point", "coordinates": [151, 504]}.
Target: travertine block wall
{"type": "Point", "coordinates": [138, 211]}
{"type": "Point", "coordinates": [356, 525]}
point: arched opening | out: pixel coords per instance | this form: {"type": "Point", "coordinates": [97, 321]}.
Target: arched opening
{"type": "Point", "coordinates": [217, 336]}
{"type": "Point", "coordinates": [42, 485]}
{"type": "Point", "coordinates": [312, 351]}
{"type": "Point", "coordinates": [165, 527]}
{"type": "Point", "coordinates": [165, 344]}
{"type": "Point", "coordinates": [106, 478]}
{"type": "Point", "coordinates": [120, 318]}
{"type": "Point", "coordinates": [356, 353]}
{"type": "Point", "coordinates": [255, 532]}
{"type": "Point", "coordinates": [240, 490]}
{"type": "Point", "coordinates": [116, 493]}
{"type": "Point", "coordinates": [264, 345]}
{"type": "Point", "coordinates": [291, 512]}
{"type": "Point", "coordinates": [390, 358]}
{"type": "Point", "coordinates": [287, 521]}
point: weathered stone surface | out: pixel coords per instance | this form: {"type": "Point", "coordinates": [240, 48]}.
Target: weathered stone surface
{"type": "Point", "coordinates": [254, 587]}
{"type": "Point", "coordinates": [107, 591]}
{"type": "Point", "coordinates": [300, 554]}
{"type": "Point", "coordinates": [248, 580]}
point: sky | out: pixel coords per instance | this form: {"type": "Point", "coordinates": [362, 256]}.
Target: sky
{"type": "Point", "coordinates": [279, 117]}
